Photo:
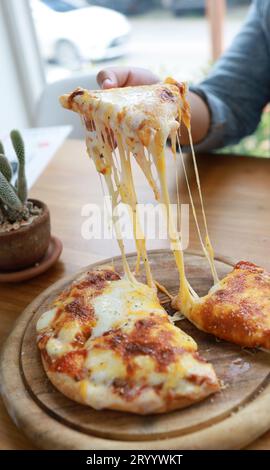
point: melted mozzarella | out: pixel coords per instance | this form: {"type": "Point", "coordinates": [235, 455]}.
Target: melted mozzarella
{"type": "Point", "coordinates": [56, 347]}
{"type": "Point", "coordinates": [105, 366]}
{"type": "Point", "coordinates": [138, 121]}
{"type": "Point", "coordinates": [216, 287]}
{"type": "Point", "coordinates": [63, 343]}
{"type": "Point", "coordinates": [68, 332]}
{"type": "Point", "coordinates": [119, 301]}
{"type": "Point", "coordinates": [46, 319]}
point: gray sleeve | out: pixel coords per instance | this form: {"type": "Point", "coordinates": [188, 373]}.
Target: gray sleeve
{"type": "Point", "coordinates": [238, 87]}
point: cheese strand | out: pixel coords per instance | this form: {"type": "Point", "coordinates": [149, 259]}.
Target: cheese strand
{"type": "Point", "coordinates": [106, 209]}
{"type": "Point", "coordinates": [119, 237]}
{"type": "Point", "coordinates": [128, 195]}
{"type": "Point", "coordinates": [173, 143]}
{"type": "Point", "coordinates": [207, 239]}
{"type": "Point", "coordinates": [185, 296]}
{"type": "Point", "coordinates": [205, 251]}
{"type": "Point", "coordinates": [105, 165]}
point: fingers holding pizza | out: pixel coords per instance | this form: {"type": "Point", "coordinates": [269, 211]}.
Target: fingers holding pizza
{"type": "Point", "coordinates": [118, 77]}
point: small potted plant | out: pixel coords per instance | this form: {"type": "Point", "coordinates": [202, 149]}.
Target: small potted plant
{"type": "Point", "coordinates": [25, 231]}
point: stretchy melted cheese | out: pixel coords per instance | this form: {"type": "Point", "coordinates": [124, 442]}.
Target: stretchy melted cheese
{"type": "Point", "coordinates": [138, 122]}
{"type": "Point", "coordinates": [106, 342]}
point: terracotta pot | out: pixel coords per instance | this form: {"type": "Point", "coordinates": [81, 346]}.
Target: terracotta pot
{"type": "Point", "coordinates": [26, 246]}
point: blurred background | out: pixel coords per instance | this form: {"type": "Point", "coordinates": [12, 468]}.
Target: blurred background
{"type": "Point", "coordinates": [168, 36]}
{"type": "Point", "coordinates": [54, 40]}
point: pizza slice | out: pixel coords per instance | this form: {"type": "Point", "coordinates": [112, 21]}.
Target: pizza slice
{"type": "Point", "coordinates": [121, 123]}
{"type": "Point", "coordinates": [237, 309]}
{"type": "Point", "coordinates": [134, 119]}
{"type": "Point", "coordinates": [106, 342]}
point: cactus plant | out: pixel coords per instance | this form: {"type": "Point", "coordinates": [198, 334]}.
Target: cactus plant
{"type": "Point", "coordinates": [8, 195]}
{"type": "Point", "coordinates": [13, 198]}
{"type": "Point", "coordinates": [18, 145]}
{"type": "Point", "coordinates": [2, 150]}
{"type": "Point", "coordinates": [5, 167]}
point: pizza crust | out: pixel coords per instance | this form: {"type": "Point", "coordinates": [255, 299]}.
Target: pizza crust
{"type": "Point", "coordinates": [103, 398]}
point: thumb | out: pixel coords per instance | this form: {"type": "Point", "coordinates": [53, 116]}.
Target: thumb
{"type": "Point", "coordinates": [107, 79]}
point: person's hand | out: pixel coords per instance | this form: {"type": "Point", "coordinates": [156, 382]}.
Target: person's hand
{"type": "Point", "coordinates": [113, 77]}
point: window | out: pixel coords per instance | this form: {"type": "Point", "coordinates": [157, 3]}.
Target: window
{"type": "Point", "coordinates": [168, 36]}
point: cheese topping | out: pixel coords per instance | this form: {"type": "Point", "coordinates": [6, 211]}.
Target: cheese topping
{"type": "Point", "coordinates": [133, 358]}
{"type": "Point", "coordinates": [56, 347]}
{"type": "Point", "coordinates": [137, 121]}
{"type": "Point", "coordinates": [45, 319]}
{"type": "Point", "coordinates": [121, 300]}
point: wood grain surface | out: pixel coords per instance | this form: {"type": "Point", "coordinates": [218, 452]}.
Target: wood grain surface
{"type": "Point", "coordinates": [244, 375]}
{"type": "Point", "coordinates": [236, 193]}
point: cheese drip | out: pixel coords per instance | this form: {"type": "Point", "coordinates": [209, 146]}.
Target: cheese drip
{"type": "Point", "coordinates": [186, 296]}
{"type": "Point", "coordinates": [208, 243]}
{"type": "Point", "coordinates": [185, 117]}
{"type": "Point", "coordinates": [117, 172]}
{"type": "Point", "coordinates": [206, 247]}
{"type": "Point", "coordinates": [142, 133]}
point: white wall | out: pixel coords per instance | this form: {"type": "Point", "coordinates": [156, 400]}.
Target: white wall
{"type": "Point", "coordinates": [13, 110]}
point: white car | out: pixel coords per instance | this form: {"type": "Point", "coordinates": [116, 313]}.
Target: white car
{"type": "Point", "coordinates": [71, 32]}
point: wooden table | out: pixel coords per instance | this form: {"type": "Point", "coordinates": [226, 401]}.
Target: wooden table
{"type": "Point", "coordinates": [237, 197]}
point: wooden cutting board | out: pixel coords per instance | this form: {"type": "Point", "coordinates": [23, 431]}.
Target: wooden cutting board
{"type": "Point", "coordinates": [230, 419]}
